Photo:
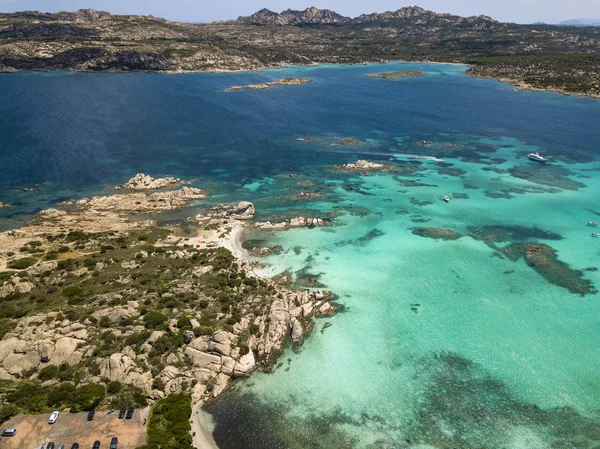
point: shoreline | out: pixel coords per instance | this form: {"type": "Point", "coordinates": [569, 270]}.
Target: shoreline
{"type": "Point", "coordinates": [520, 85]}
{"type": "Point", "coordinates": [202, 428]}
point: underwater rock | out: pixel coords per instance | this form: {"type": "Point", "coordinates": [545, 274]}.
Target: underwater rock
{"type": "Point", "coordinates": [543, 259]}
{"type": "Point", "coordinates": [437, 233]}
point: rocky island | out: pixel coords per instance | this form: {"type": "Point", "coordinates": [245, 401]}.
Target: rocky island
{"type": "Point", "coordinates": [263, 86]}
{"type": "Point", "coordinates": [97, 301]}
{"type": "Point", "coordinates": [396, 75]}
{"type": "Point", "coordinates": [360, 164]}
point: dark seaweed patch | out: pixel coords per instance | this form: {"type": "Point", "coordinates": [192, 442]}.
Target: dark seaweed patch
{"type": "Point", "coordinates": [437, 233]}
{"type": "Point", "coordinates": [416, 202]}
{"type": "Point", "coordinates": [547, 175]}
{"type": "Point", "coordinates": [508, 233]}
{"type": "Point", "coordinates": [543, 259]}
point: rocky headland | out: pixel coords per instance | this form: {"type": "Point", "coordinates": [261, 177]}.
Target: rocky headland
{"type": "Point", "coordinates": [263, 86]}
{"type": "Point", "coordinates": [93, 296]}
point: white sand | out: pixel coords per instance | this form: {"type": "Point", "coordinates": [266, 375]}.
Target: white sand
{"type": "Point", "coordinates": [202, 428]}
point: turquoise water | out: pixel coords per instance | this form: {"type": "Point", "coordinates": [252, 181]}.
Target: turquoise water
{"type": "Point", "coordinates": [438, 344]}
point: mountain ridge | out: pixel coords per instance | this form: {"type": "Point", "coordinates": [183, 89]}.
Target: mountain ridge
{"type": "Point", "coordinates": [563, 58]}
{"type": "Point", "coordinates": [318, 16]}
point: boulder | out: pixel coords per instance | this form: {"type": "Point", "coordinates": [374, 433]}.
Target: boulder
{"type": "Point", "coordinates": [245, 365]}
{"type": "Point", "coordinates": [202, 359]}
{"type": "Point", "coordinates": [65, 351]}
{"type": "Point", "coordinates": [117, 367]}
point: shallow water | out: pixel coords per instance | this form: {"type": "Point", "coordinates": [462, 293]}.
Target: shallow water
{"type": "Point", "coordinates": [441, 344]}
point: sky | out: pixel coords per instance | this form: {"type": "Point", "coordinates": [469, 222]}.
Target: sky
{"type": "Point", "coordinates": [520, 11]}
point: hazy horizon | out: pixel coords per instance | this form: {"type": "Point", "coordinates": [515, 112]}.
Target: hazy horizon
{"type": "Point", "coordinates": [530, 11]}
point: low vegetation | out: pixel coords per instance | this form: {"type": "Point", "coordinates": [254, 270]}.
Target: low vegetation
{"type": "Point", "coordinates": [169, 424]}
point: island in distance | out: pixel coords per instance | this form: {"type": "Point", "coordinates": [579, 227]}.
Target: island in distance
{"type": "Point", "coordinates": [396, 75]}
{"type": "Point", "coordinates": [263, 86]}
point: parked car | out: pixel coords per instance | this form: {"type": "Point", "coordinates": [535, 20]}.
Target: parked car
{"type": "Point", "coordinates": [96, 445]}
{"type": "Point", "coordinates": [41, 446]}
{"type": "Point", "coordinates": [122, 413]}
{"type": "Point", "coordinates": [75, 446]}
{"type": "Point", "coordinates": [53, 417]}
{"type": "Point", "coordinates": [91, 414]}
{"type": "Point", "coordinates": [114, 442]}
{"type": "Point", "coordinates": [9, 432]}
{"type": "Point", "coordinates": [129, 413]}
{"type": "Point", "coordinates": [61, 446]}
{"type": "Point", "coordinates": [50, 445]}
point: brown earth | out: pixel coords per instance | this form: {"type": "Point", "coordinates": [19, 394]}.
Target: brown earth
{"type": "Point", "coordinates": [33, 430]}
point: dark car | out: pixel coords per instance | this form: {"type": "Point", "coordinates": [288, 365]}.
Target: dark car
{"type": "Point", "coordinates": [50, 445]}
{"type": "Point", "coordinates": [96, 445]}
{"type": "Point", "coordinates": [9, 432]}
{"type": "Point", "coordinates": [113, 442]}
{"type": "Point", "coordinates": [75, 446]}
{"type": "Point", "coordinates": [129, 413]}
{"type": "Point", "coordinates": [91, 414]}
{"type": "Point", "coordinates": [122, 413]}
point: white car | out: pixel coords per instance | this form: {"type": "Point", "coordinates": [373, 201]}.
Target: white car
{"type": "Point", "coordinates": [53, 417]}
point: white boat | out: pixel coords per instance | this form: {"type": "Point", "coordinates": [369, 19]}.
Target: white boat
{"type": "Point", "coordinates": [595, 234]}
{"type": "Point", "coordinates": [592, 223]}
{"type": "Point", "coordinates": [446, 198]}
{"type": "Point", "coordinates": [536, 157]}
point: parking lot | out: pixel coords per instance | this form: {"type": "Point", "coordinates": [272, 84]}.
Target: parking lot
{"type": "Point", "coordinates": [33, 430]}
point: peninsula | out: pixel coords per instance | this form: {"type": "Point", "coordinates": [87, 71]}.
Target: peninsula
{"type": "Point", "coordinates": [109, 309]}
{"type": "Point", "coordinates": [540, 56]}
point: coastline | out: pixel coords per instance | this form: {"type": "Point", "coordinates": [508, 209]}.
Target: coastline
{"type": "Point", "coordinates": [202, 428]}
{"type": "Point", "coordinates": [518, 84]}
{"type": "Point", "coordinates": [522, 85]}
{"type": "Point", "coordinates": [215, 358]}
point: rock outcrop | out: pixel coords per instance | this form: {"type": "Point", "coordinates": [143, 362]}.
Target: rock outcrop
{"type": "Point", "coordinates": [263, 86]}
{"type": "Point", "coordinates": [243, 210]}
{"type": "Point", "coordinates": [297, 222]}
{"type": "Point", "coordinates": [360, 164]}
{"type": "Point", "coordinates": [146, 182]}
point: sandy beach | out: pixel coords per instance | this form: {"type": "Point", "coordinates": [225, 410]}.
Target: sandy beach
{"type": "Point", "coordinates": [202, 427]}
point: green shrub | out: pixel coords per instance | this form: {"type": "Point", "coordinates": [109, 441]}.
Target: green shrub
{"type": "Point", "coordinates": [7, 411]}
{"type": "Point", "coordinates": [183, 322]}
{"type": "Point", "coordinates": [86, 397]}
{"type": "Point", "coordinates": [169, 425]}
{"type": "Point", "coordinates": [23, 263]}
{"type": "Point", "coordinates": [153, 320]}
{"type": "Point", "coordinates": [48, 372]}
{"type": "Point", "coordinates": [75, 236]}
{"type": "Point", "coordinates": [114, 387]}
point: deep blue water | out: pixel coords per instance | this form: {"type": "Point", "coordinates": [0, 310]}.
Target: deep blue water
{"type": "Point", "coordinates": [73, 133]}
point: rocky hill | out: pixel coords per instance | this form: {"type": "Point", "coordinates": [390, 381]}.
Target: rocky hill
{"type": "Point", "coordinates": [99, 306]}
{"type": "Point", "coordinates": [88, 40]}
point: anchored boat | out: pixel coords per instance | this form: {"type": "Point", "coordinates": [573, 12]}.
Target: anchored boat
{"type": "Point", "coordinates": [537, 157]}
